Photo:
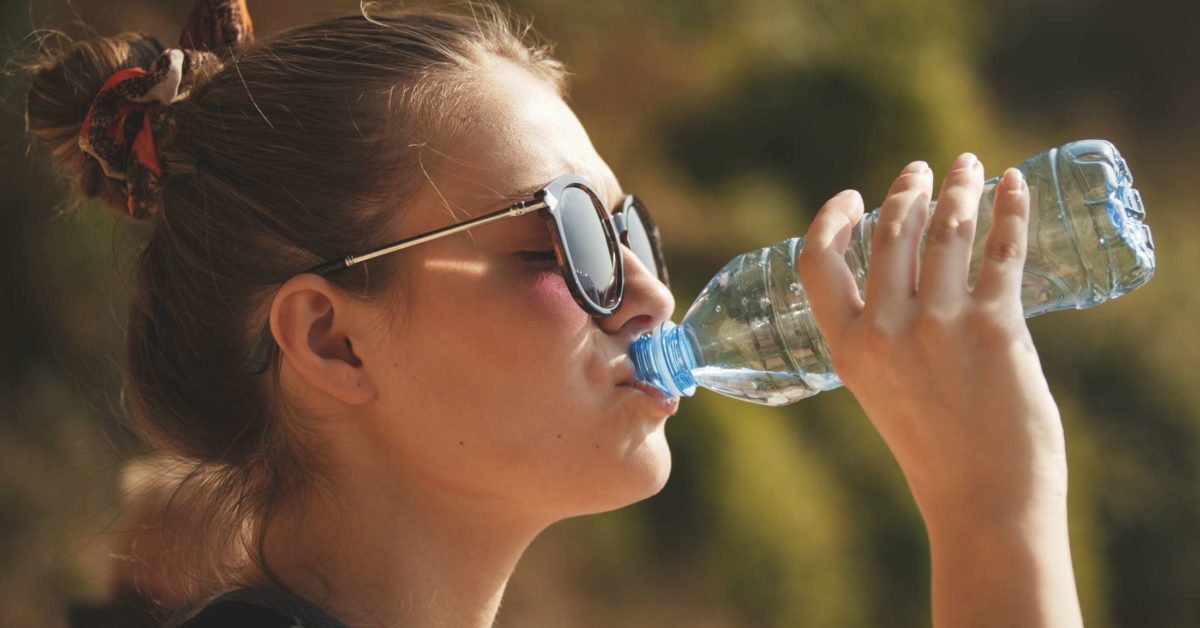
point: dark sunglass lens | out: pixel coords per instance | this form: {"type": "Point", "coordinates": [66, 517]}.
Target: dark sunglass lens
{"type": "Point", "coordinates": [588, 248]}
{"type": "Point", "coordinates": [639, 241]}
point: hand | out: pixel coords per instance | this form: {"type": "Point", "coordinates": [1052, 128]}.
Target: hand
{"type": "Point", "coordinates": [947, 374]}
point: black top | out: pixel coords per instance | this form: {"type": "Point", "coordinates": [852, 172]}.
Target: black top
{"type": "Point", "coordinates": [258, 607]}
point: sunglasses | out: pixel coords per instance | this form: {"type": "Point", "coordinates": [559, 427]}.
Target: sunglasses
{"type": "Point", "coordinates": [585, 236]}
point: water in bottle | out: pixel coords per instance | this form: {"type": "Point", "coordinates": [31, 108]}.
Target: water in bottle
{"type": "Point", "coordinates": [751, 335]}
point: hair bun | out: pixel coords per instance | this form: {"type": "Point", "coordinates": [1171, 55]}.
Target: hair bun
{"type": "Point", "coordinates": [67, 80]}
{"type": "Point", "coordinates": [144, 96]}
{"type": "Point", "coordinates": [64, 84]}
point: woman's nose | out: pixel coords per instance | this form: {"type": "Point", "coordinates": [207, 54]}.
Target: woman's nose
{"type": "Point", "coordinates": [647, 302]}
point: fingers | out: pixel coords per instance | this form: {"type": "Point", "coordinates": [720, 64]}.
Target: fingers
{"type": "Point", "coordinates": [1004, 253]}
{"type": "Point", "coordinates": [892, 273]}
{"type": "Point", "coordinates": [832, 294]}
{"type": "Point", "coordinates": [947, 256]}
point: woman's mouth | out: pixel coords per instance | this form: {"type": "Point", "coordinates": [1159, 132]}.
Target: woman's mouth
{"type": "Point", "coordinates": [665, 403]}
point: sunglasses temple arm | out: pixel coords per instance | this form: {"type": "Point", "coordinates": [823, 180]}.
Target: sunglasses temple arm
{"type": "Point", "coordinates": [256, 361]}
{"type": "Point", "coordinates": [516, 209]}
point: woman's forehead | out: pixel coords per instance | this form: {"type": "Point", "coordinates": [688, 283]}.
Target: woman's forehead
{"type": "Point", "coordinates": [515, 137]}
{"type": "Point", "coordinates": [518, 135]}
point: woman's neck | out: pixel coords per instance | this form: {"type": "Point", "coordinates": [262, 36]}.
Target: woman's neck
{"type": "Point", "coordinates": [387, 555]}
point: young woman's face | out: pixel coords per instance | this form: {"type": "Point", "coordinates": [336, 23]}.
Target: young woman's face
{"type": "Point", "coordinates": [501, 386]}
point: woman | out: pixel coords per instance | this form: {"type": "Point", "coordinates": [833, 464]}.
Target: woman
{"type": "Point", "coordinates": [377, 442]}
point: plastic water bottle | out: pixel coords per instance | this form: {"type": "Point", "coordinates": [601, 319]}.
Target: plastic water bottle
{"type": "Point", "coordinates": [751, 335]}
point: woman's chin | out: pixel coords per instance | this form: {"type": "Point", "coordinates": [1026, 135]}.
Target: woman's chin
{"type": "Point", "coordinates": [642, 473]}
{"type": "Point", "coordinates": [658, 464]}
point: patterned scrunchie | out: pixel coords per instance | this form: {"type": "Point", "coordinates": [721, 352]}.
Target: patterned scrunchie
{"type": "Point", "coordinates": [213, 25]}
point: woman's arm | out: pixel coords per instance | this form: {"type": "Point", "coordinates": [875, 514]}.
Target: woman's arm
{"type": "Point", "coordinates": [994, 571]}
{"type": "Point", "coordinates": [950, 378]}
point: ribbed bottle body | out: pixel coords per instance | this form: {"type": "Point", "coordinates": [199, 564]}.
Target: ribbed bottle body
{"type": "Point", "coordinates": [750, 333]}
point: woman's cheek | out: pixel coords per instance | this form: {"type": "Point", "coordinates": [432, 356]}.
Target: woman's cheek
{"type": "Point", "coordinates": [549, 291]}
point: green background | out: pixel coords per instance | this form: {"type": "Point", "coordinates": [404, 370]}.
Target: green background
{"type": "Point", "coordinates": [734, 121]}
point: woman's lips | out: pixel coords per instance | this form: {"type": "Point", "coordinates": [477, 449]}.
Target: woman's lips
{"type": "Point", "coordinates": [667, 404]}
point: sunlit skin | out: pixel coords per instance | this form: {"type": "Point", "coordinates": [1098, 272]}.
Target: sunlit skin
{"type": "Point", "coordinates": [490, 407]}
{"type": "Point", "coordinates": [950, 377]}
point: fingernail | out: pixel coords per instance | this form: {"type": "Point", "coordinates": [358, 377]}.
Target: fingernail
{"type": "Point", "coordinates": [963, 161]}
{"type": "Point", "coordinates": [1013, 179]}
{"type": "Point", "coordinates": [915, 167]}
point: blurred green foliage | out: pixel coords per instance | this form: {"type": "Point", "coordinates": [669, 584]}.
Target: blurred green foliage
{"type": "Point", "coordinates": [734, 121]}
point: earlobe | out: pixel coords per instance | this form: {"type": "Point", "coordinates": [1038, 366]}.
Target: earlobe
{"type": "Point", "coordinates": [312, 321]}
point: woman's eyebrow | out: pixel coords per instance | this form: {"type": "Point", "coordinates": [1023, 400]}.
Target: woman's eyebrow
{"type": "Point", "coordinates": [490, 202]}
{"type": "Point", "coordinates": [526, 192]}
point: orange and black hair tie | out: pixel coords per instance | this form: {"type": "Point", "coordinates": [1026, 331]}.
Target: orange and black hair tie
{"type": "Point", "coordinates": [130, 151]}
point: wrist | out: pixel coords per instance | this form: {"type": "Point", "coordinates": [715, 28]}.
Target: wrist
{"type": "Point", "coordinates": [1014, 568]}
{"type": "Point", "coordinates": [1018, 477]}
{"type": "Point", "coordinates": [999, 518]}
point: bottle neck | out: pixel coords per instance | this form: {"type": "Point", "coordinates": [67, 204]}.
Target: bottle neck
{"type": "Point", "coordinates": [665, 359]}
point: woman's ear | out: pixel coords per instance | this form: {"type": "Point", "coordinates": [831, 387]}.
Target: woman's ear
{"type": "Point", "coordinates": [314, 323]}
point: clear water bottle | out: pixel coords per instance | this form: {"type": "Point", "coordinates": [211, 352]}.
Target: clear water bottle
{"type": "Point", "coordinates": [751, 335]}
